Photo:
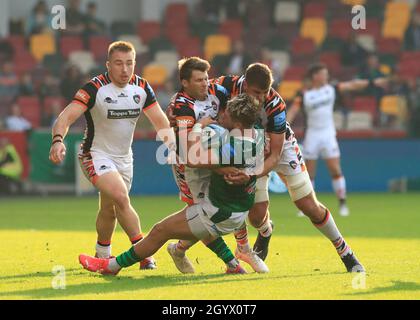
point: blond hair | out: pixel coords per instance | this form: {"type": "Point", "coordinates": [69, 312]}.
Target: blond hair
{"type": "Point", "coordinates": [123, 46]}
{"type": "Point", "coordinates": [244, 109]}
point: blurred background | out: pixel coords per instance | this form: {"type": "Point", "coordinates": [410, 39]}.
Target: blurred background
{"type": "Point", "coordinates": [41, 69]}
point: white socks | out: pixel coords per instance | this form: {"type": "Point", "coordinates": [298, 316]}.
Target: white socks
{"type": "Point", "coordinates": [103, 251]}
{"type": "Point", "coordinates": [339, 186]}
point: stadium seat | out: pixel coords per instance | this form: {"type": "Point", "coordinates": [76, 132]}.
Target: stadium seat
{"type": "Point", "coordinates": [373, 28]}
{"type": "Point", "coordinates": [289, 88]}
{"type": "Point", "coordinates": [135, 40]}
{"type": "Point", "coordinates": [359, 120]}
{"type": "Point", "coordinates": [314, 10]}
{"type": "Point", "coordinates": [340, 28]}
{"type": "Point", "coordinates": [148, 30]}
{"type": "Point", "coordinates": [232, 28]}
{"type": "Point", "coordinates": [17, 42]}
{"type": "Point", "coordinates": [159, 44]}
{"type": "Point", "coordinates": [50, 101]}
{"type": "Point", "coordinates": [155, 74]}
{"type": "Point", "coordinates": [332, 60]}
{"type": "Point", "coordinates": [176, 13]}
{"type": "Point", "coordinates": [68, 44]}
{"type": "Point", "coordinates": [84, 60]}
{"type": "Point", "coordinates": [24, 62]}
{"type": "Point", "coordinates": [190, 47]}
{"type": "Point", "coordinates": [393, 105]}
{"type": "Point", "coordinates": [177, 33]}
{"type": "Point", "coordinates": [353, 2]}
{"type": "Point", "coordinates": [98, 45]}
{"type": "Point", "coordinates": [169, 59]}
{"type": "Point", "coordinates": [31, 109]}
{"type": "Point", "coordinates": [303, 46]}
{"type": "Point", "coordinates": [41, 45]}
{"type": "Point", "coordinates": [216, 44]}
{"type": "Point", "coordinates": [388, 46]}
{"type": "Point", "coordinates": [286, 11]}
{"type": "Point", "coordinates": [339, 120]}
{"type": "Point", "coordinates": [294, 73]}
{"type": "Point", "coordinates": [366, 104]}
{"type": "Point", "coordinates": [314, 28]}
{"type": "Point", "coordinates": [332, 44]}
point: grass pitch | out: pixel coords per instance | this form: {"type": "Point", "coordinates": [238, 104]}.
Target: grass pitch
{"type": "Point", "coordinates": [40, 240]}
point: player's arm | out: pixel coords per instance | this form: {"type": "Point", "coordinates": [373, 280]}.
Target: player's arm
{"type": "Point", "coordinates": [276, 149]}
{"type": "Point", "coordinates": [157, 117]}
{"type": "Point", "coordinates": [59, 131]}
{"type": "Point", "coordinates": [161, 124]}
{"type": "Point", "coordinates": [84, 100]}
{"type": "Point", "coordinates": [360, 84]}
{"type": "Point", "coordinates": [197, 156]}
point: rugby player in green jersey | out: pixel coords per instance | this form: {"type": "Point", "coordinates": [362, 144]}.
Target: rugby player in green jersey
{"type": "Point", "coordinates": [226, 206]}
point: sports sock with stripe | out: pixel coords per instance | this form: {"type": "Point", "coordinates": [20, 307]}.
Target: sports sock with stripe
{"type": "Point", "coordinates": [103, 250]}
{"type": "Point", "coordinates": [220, 248]}
{"type": "Point", "coordinates": [329, 229]}
{"type": "Point", "coordinates": [241, 237]}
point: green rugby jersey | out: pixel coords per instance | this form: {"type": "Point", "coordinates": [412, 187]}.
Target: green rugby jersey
{"type": "Point", "coordinates": [239, 152]}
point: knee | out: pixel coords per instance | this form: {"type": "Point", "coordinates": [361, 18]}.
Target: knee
{"type": "Point", "coordinates": [257, 213]}
{"type": "Point", "coordinates": [121, 199]}
{"type": "Point", "coordinates": [158, 230]}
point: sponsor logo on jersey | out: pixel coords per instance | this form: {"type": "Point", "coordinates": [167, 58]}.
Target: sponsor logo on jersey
{"type": "Point", "coordinates": [137, 98]}
{"type": "Point", "coordinates": [104, 167]}
{"type": "Point", "coordinates": [83, 96]}
{"type": "Point", "coordinates": [123, 114]}
{"type": "Point", "coordinates": [110, 100]}
{"type": "Point", "coordinates": [185, 121]}
{"type": "Point", "coordinates": [122, 95]}
{"type": "Point", "coordinates": [293, 164]}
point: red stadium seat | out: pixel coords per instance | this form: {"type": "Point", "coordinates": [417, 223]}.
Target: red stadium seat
{"type": "Point", "coordinates": [296, 73]}
{"type": "Point", "coordinates": [24, 62]}
{"type": "Point", "coordinates": [17, 42]}
{"type": "Point", "coordinates": [332, 60]}
{"type": "Point", "coordinates": [50, 101]}
{"type": "Point", "coordinates": [176, 14]}
{"type": "Point", "coordinates": [367, 104]}
{"type": "Point", "coordinates": [98, 45]}
{"type": "Point", "coordinates": [148, 30]}
{"type": "Point", "coordinates": [314, 10]}
{"type": "Point", "coordinates": [303, 46]}
{"type": "Point", "coordinates": [340, 28]}
{"type": "Point", "coordinates": [388, 45]}
{"type": "Point", "coordinates": [232, 28]}
{"type": "Point", "coordinates": [176, 34]}
{"type": "Point", "coordinates": [31, 110]}
{"type": "Point", "coordinates": [68, 44]}
{"type": "Point", "coordinates": [190, 47]}
{"type": "Point", "coordinates": [373, 27]}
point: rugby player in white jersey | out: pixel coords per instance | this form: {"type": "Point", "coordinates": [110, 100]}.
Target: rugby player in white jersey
{"type": "Point", "coordinates": [317, 102]}
{"type": "Point", "coordinates": [195, 101]}
{"type": "Point", "coordinates": [285, 158]}
{"type": "Point", "coordinates": [111, 103]}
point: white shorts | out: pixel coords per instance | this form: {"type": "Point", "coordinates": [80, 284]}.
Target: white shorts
{"type": "Point", "coordinates": [317, 144]}
{"type": "Point", "coordinates": [192, 183]}
{"type": "Point", "coordinates": [206, 220]}
{"type": "Point", "coordinates": [95, 164]}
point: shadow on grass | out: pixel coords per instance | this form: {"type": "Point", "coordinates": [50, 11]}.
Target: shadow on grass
{"type": "Point", "coordinates": [128, 283]}
{"type": "Point", "coordinates": [34, 275]}
{"type": "Point", "coordinates": [396, 286]}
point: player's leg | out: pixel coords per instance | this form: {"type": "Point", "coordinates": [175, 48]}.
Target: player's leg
{"type": "Point", "coordinates": [105, 226]}
{"type": "Point", "coordinates": [259, 218]}
{"type": "Point", "coordinates": [338, 183]}
{"type": "Point", "coordinates": [302, 194]}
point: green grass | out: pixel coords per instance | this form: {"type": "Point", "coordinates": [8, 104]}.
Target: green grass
{"type": "Point", "coordinates": [383, 229]}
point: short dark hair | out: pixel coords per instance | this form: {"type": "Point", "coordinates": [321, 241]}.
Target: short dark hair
{"type": "Point", "coordinates": [315, 68]}
{"type": "Point", "coordinates": [123, 46]}
{"type": "Point", "coordinates": [187, 65]}
{"type": "Point", "coordinates": [244, 109]}
{"type": "Point", "coordinates": [259, 75]}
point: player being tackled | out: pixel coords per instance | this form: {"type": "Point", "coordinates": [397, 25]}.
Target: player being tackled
{"type": "Point", "coordinates": [225, 208]}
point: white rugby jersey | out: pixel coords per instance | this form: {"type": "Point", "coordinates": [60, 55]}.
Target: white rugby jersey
{"type": "Point", "coordinates": [112, 113]}
{"type": "Point", "coordinates": [318, 107]}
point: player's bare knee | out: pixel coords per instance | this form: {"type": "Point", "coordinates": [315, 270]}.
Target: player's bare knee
{"type": "Point", "coordinates": [121, 200]}
{"type": "Point", "coordinates": [258, 213]}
